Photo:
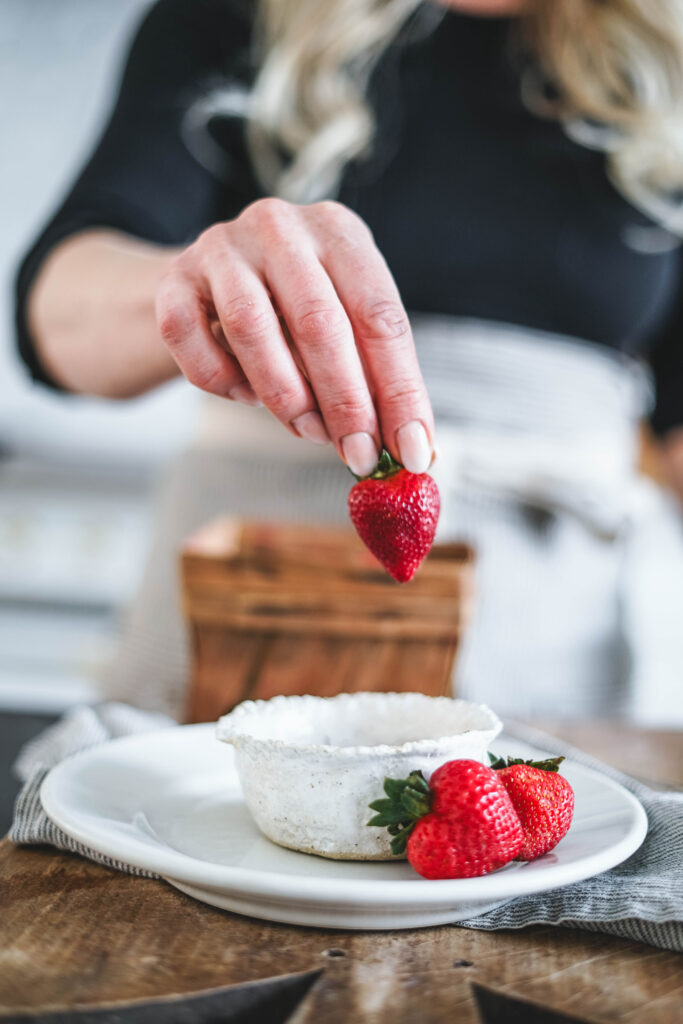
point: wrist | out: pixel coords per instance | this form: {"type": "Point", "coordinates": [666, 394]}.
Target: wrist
{"type": "Point", "coordinates": [91, 313]}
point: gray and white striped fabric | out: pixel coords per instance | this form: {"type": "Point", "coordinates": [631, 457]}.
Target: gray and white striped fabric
{"type": "Point", "coordinates": [80, 729]}
{"type": "Point", "coordinates": [641, 899]}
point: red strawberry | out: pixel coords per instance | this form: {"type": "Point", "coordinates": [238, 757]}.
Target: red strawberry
{"type": "Point", "coordinates": [395, 513]}
{"type": "Point", "coordinates": [459, 825]}
{"type": "Point", "coordinates": [544, 801]}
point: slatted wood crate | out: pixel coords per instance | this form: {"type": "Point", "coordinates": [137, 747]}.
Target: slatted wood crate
{"type": "Point", "coordinates": [276, 608]}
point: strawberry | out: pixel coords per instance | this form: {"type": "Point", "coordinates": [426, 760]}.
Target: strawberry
{"type": "Point", "coordinates": [543, 799]}
{"type": "Point", "coordinates": [458, 825]}
{"type": "Point", "coordinates": [395, 514]}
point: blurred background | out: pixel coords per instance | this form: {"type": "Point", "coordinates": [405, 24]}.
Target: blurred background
{"type": "Point", "coordinates": [76, 475]}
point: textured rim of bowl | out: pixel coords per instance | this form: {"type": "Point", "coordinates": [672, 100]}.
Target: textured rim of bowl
{"type": "Point", "coordinates": [436, 745]}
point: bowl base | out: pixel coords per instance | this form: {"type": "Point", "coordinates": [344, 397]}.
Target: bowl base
{"type": "Point", "coordinates": [311, 851]}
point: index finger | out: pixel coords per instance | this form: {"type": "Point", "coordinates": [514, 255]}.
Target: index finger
{"type": "Point", "coordinates": [384, 338]}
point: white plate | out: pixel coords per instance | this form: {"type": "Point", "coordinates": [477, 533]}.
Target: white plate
{"type": "Point", "coordinates": [170, 802]}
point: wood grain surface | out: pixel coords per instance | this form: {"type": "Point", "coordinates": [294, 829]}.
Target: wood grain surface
{"type": "Point", "coordinates": [655, 756]}
{"type": "Point", "coordinates": [73, 934]}
{"type": "Point", "coordinates": [278, 608]}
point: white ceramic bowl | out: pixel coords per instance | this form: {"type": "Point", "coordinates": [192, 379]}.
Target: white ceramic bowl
{"type": "Point", "coordinates": [309, 766]}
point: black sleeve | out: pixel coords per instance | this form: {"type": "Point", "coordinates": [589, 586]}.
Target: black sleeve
{"type": "Point", "coordinates": [666, 359]}
{"type": "Point", "coordinates": [142, 178]}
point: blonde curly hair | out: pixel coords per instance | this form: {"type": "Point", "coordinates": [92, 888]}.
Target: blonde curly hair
{"type": "Point", "coordinates": [611, 71]}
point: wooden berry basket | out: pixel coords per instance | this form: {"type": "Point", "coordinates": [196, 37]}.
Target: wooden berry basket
{"type": "Point", "coordinates": [282, 609]}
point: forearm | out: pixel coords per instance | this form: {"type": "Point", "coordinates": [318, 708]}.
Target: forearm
{"type": "Point", "coordinates": [91, 313]}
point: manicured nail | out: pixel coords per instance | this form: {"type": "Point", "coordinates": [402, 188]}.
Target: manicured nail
{"type": "Point", "coordinates": [414, 447]}
{"type": "Point", "coordinates": [245, 394]}
{"type": "Point", "coordinates": [360, 453]}
{"type": "Point", "coordinates": [311, 426]}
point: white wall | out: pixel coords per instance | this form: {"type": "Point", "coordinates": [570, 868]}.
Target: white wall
{"type": "Point", "coordinates": [59, 62]}
{"type": "Point", "coordinates": [75, 475]}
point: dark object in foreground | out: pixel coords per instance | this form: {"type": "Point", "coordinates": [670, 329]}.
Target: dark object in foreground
{"type": "Point", "coordinates": [498, 1008]}
{"type": "Point", "coordinates": [257, 1002]}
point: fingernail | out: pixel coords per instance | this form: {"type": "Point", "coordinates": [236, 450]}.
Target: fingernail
{"type": "Point", "coordinates": [360, 453]}
{"type": "Point", "coordinates": [245, 394]}
{"type": "Point", "coordinates": [311, 426]}
{"type": "Point", "coordinates": [414, 447]}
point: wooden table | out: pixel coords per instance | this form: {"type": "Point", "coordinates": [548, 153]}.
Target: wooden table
{"type": "Point", "coordinates": [73, 934]}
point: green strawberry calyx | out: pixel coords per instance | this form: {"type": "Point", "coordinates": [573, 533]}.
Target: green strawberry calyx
{"type": "Point", "coordinates": [406, 801]}
{"type": "Point", "coordinates": [386, 466]}
{"type": "Point", "coordinates": [550, 764]}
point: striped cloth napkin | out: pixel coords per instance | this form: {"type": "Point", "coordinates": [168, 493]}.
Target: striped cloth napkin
{"type": "Point", "coordinates": [641, 899]}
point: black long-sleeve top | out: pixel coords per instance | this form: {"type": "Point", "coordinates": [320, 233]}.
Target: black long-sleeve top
{"type": "Point", "coordinates": [481, 208]}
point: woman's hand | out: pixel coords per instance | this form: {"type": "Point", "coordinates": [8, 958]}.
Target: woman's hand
{"type": "Point", "coordinates": [294, 306]}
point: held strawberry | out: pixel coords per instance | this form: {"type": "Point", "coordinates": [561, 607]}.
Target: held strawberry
{"type": "Point", "coordinates": [395, 514]}
{"type": "Point", "coordinates": [460, 824]}
{"type": "Point", "coordinates": [543, 800]}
